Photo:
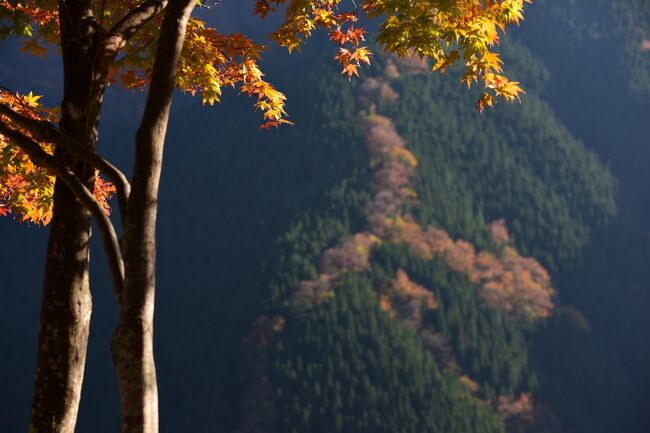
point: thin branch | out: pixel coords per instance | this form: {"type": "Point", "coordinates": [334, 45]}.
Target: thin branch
{"type": "Point", "coordinates": [138, 17]}
{"type": "Point", "coordinates": [45, 131]}
{"type": "Point", "coordinates": [63, 172]}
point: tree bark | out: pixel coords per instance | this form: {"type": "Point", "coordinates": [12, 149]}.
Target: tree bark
{"type": "Point", "coordinates": [133, 339]}
{"type": "Point", "coordinates": [66, 303]}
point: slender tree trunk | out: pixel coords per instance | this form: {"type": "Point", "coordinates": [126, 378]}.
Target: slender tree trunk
{"type": "Point", "coordinates": [133, 338]}
{"type": "Point", "coordinates": [66, 303]}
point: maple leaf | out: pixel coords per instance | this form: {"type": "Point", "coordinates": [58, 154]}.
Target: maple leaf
{"type": "Point", "coordinates": [486, 100]}
{"type": "Point", "coordinates": [32, 47]}
{"type": "Point", "coordinates": [362, 54]}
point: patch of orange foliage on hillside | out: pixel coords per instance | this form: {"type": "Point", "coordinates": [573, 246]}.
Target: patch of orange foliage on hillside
{"type": "Point", "coordinates": [406, 299]}
{"type": "Point", "coordinates": [504, 279]}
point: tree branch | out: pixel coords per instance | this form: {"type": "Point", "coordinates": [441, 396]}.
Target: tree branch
{"type": "Point", "coordinates": [63, 172]}
{"type": "Point", "coordinates": [45, 131]}
{"type": "Point", "coordinates": [138, 17]}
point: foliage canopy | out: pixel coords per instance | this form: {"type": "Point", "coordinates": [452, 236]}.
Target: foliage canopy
{"type": "Point", "coordinates": [443, 30]}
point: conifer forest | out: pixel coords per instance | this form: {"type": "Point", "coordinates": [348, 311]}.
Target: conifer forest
{"type": "Point", "coordinates": [370, 216]}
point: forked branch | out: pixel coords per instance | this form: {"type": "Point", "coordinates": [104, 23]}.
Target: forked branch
{"type": "Point", "coordinates": [45, 131]}
{"type": "Point", "coordinates": [63, 172]}
{"type": "Point", "coordinates": [138, 17]}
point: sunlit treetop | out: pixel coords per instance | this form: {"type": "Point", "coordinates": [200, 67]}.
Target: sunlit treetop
{"type": "Point", "coordinates": [446, 31]}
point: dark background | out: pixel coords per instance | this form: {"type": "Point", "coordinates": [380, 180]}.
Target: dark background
{"type": "Point", "coordinates": [218, 225]}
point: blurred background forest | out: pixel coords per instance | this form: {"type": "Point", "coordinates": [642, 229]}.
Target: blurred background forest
{"type": "Point", "coordinates": [394, 262]}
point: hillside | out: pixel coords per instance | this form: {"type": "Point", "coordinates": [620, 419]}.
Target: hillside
{"type": "Point", "coordinates": [396, 261]}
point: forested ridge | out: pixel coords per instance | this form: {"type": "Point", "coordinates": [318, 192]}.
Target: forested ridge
{"type": "Point", "coordinates": [478, 337]}
{"type": "Point", "coordinates": [465, 273]}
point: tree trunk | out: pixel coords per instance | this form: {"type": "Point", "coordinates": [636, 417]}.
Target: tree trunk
{"type": "Point", "coordinates": [65, 319]}
{"type": "Point", "coordinates": [133, 339]}
{"type": "Point", "coordinates": [66, 303]}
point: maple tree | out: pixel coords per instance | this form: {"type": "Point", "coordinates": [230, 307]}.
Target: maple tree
{"type": "Point", "coordinates": [50, 170]}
